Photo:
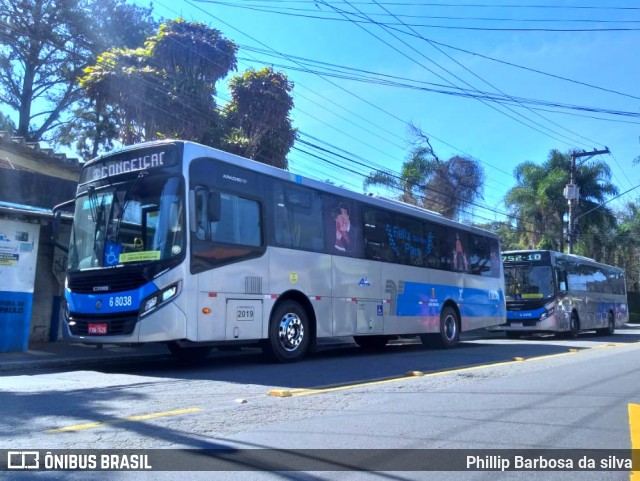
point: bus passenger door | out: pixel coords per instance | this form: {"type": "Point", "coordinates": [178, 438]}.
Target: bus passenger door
{"type": "Point", "coordinates": [244, 319]}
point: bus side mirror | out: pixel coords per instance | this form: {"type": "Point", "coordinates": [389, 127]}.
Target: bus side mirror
{"type": "Point", "coordinates": [562, 281]}
{"type": "Point", "coordinates": [213, 206]}
{"type": "Point", "coordinates": [55, 224]}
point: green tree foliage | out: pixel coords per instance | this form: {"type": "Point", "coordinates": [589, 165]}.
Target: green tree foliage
{"type": "Point", "coordinates": [446, 187]}
{"type": "Point", "coordinates": [167, 88]}
{"type": "Point", "coordinates": [6, 124]}
{"type": "Point", "coordinates": [626, 242]}
{"type": "Point", "coordinates": [538, 203]}
{"type": "Point", "coordinates": [257, 122]}
{"type": "Point", "coordinates": [509, 238]}
{"type": "Point", "coordinates": [114, 24]}
{"type": "Point", "coordinates": [45, 45]}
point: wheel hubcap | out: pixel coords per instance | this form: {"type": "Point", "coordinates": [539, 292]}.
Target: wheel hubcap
{"type": "Point", "coordinates": [291, 332]}
{"type": "Point", "coordinates": [450, 328]}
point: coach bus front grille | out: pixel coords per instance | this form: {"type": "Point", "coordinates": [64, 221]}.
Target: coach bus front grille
{"type": "Point", "coordinates": [527, 323]}
{"type": "Point", "coordinates": [528, 305]}
{"type": "Point", "coordinates": [117, 323]}
{"type": "Point", "coordinates": [101, 282]}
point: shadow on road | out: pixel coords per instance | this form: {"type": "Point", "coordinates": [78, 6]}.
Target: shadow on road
{"type": "Point", "coordinates": [347, 363]}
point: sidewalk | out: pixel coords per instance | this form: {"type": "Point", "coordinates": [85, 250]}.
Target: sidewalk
{"type": "Point", "coordinates": [60, 354]}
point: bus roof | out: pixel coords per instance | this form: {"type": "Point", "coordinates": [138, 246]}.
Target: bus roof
{"type": "Point", "coordinates": [193, 149]}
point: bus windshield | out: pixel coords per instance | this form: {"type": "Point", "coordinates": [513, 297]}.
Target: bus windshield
{"type": "Point", "coordinates": [141, 220]}
{"type": "Point", "coordinates": [528, 282]}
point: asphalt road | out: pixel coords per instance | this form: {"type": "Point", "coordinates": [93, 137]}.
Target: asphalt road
{"type": "Point", "coordinates": [539, 393]}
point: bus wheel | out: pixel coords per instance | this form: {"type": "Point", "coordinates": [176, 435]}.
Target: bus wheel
{"type": "Point", "coordinates": [371, 342]}
{"type": "Point", "coordinates": [611, 326]}
{"type": "Point", "coordinates": [449, 334]}
{"type": "Point", "coordinates": [574, 327]}
{"type": "Point", "coordinates": [188, 354]}
{"type": "Point", "coordinates": [289, 333]}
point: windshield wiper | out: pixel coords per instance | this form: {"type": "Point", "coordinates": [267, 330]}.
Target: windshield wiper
{"type": "Point", "coordinates": [97, 211]}
{"type": "Point", "coordinates": [126, 199]}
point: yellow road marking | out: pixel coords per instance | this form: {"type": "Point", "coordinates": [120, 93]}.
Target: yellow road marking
{"type": "Point", "coordinates": [634, 430]}
{"type": "Point", "coordinates": [409, 375]}
{"type": "Point", "coordinates": [140, 417]}
{"type": "Point", "coordinates": [413, 375]}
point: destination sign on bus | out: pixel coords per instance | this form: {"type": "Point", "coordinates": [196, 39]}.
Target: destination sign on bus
{"type": "Point", "coordinates": [538, 257]}
{"type": "Point", "coordinates": [125, 163]}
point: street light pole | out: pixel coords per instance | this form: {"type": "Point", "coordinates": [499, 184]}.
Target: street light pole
{"type": "Point", "coordinates": [572, 192]}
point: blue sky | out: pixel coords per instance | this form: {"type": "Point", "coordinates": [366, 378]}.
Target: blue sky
{"type": "Point", "coordinates": [368, 123]}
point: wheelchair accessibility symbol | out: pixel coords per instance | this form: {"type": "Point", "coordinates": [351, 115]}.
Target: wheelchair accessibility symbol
{"type": "Point", "coordinates": [112, 254]}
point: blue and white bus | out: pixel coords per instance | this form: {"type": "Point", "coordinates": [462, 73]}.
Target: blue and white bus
{"type": "Point", "coordinates": [178, 243]}
{"type": "Point", "coordinates": [548, 291]}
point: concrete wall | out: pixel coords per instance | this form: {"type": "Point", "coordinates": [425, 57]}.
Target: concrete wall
{"type": "Point", "coordinates": [35, 189]}
{"type": "Point", "coordinates": [35, 179]}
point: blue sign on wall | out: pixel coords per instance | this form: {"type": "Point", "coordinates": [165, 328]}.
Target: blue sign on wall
{"type": "Point", "coordinates": [15, 320]}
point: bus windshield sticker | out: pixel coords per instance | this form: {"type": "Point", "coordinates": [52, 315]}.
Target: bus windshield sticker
{"type": "Point", "coordinates": [532, 296]}
{"type": "Point", "coordinates": [111, 254]}
{"type": "Point", "coordinates": [140, 256]}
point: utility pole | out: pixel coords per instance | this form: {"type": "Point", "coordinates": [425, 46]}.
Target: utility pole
{"type": "Point", "coordinates": [572, 191]}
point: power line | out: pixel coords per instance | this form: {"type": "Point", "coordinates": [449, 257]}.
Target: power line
{"type": "Point", "coordinates": [424, 25]}
{"type": "Point", "coordinates": [336, 71]}
{"type": "Point", "coordinates": [346, 15]}
{"type": "Point", "coordinates": [461, 5]}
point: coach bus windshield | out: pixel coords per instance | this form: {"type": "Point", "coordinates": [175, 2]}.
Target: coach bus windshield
{"type": "Point", "coordinates": [524, 282]}
{"type": "Point", "coordinates": [141, 220]}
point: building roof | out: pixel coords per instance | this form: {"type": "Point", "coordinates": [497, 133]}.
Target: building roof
{"type": "Point", "coordinates": [35, 152]}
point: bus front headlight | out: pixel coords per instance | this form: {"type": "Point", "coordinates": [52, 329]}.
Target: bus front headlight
{"type": "Point", "coordinates": [159, 298]}
{"type": "Point", "coordinates": [547, 313]}
{"type": "Point", "coordinates": [150, 305]}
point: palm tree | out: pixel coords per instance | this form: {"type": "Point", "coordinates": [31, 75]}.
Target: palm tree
{"type": "Point", "coordinates": [539, 206]}
{"type": "Point", "coordinates": [627, 243]}
{"type": "Point", "coordinates": [446, 187]}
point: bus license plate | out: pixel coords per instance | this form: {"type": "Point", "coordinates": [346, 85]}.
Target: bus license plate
{"type": "Point", "coordinates": [516, 324]}
{"type": "Point", "coordinates": [98, 329]}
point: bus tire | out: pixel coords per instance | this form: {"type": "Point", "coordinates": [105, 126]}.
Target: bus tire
{"type": "Point", "coordinates": [289, 333]}
{"type": "Point", "coordinates": [374, 343]}
{"type": "Point", "coordinates": [188, 354]}
{"type": "Point", "coordinates": [611, 326]}
{"type": "Point", "coordinates": [574, 327]}
{"type": "Point", "coordinates": [449, 334]}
